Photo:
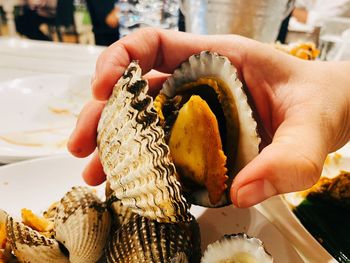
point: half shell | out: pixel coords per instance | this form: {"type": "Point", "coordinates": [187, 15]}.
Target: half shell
{"type": "Point", "coordinates": [236, 248]}
{"type": "Point", "coordinates": [144, 240]}
{"type": "Point", "coordinates": [29, 245]}
{"type": "Point", "coordinates": [213, 78]}
{"type": "Point", "coordinates": [82, 225]}
{"type": "Point", "coordinates": [134, 155]}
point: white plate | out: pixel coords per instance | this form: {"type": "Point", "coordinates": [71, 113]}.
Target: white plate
{"type": "Point", "coordinates": [290, 225]}
{"type": "Point", "coordinates": [37, 114]}
{"type": "Point", "coordinates": [35, 184]}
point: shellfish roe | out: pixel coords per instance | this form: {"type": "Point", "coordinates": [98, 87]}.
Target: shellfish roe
{"type": "Point", "coordinates": [35, 222]}
{"type": "Point", "coordinates": [196, 147]}
{"type": "Point", "coordinates": [3, 236]}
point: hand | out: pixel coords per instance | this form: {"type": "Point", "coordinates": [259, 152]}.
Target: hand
{"type": "Point", "coordinates": [304, 107]}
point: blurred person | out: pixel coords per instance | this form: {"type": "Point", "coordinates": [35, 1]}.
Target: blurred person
{"type": "Point", "coordinates": [312, 13]}
{"type": "Point", "coordinates": [35, 13]}
{"type": "Point", "coordinates": [105, 21]}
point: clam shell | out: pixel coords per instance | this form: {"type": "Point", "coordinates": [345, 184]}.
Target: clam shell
{"type": "Point", "coordinates": [121, 214]}
{"type": "Point", "coordinates": [236, 248]}
{"type": "Point", "coordinates": [134, 155]}
{"type": "Point", "coordinates": [210, 64]}
{"type": "Point", "coordinates": [29, 245]}
{"type": "Point", "coordinates": [82, 225]}
{"type": "Point", "coordinates": [145, 240]}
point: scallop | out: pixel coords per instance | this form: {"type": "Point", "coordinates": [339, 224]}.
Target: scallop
{"type": "Point", "coordinates": [144, 240]}
{"type": "Point", "coordinates": [82, 225]}
{"type": "Point", "coordinates": [29, 245]}
{"type": "Point", "coordinates": [209, 126]}
{"type": "Point", "coordinates": [236, 248]}
{"type": "Point", "coordinates": [134, 154]}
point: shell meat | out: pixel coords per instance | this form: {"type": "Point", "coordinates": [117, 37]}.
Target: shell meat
{"type": "Point", "coordinates": [236, 248]}
{"type": "Point", "coordinates": [134, 154]}
{"type": "Point", "coordinates": [29, 245]}
{"type": "Point", "coordinates": [145, 240]}
{"type": "Point", "coordinates": [209, 126]}
{"type": "Point", "coordinates": [82, 225]}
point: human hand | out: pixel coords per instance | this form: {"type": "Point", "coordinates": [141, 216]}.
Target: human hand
{"type": "Point", "coordinates": [303, 107]}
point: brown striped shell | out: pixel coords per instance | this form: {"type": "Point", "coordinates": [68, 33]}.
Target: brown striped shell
{"type": "Point", "coordinates": [144, 240]}
{"type": "Point", "coordinates": [134, 154]}
{"type": "Point", "coordinates": [82, 225]}
{"type": "Point", "coordinates": [29, 245]}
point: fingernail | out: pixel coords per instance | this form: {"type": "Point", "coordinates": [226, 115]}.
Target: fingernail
{"type": "Point", "coordinates": [254, 193]}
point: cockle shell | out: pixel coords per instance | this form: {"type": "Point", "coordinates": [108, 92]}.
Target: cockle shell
{"type": "Point", "coordinates": [236, 248]}
{"type": "Point", "coordinates": [241, 143]}
{"type": "Point", "coordinates": [144, 240]}
{"type": "Point", "coordinates": [82, 225]}
{"type": "Point", "coordinates": [134, 155]}
{"type": "Point", "coordinates": [29, 245]}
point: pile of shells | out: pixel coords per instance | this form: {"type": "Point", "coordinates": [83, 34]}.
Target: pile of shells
{"type": "Point", "coordinates": [81, 228]}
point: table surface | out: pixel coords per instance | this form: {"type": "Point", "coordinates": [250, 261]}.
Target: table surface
{"type": "Point", "coordinates": [21, 57]}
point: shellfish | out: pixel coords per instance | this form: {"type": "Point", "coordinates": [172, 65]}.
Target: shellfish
{"type": "Point", "coordinates": [236, 248]}
{"type": "Point", "coordinates": [134, 154]}
{"type": "Point", "coordinates": [199, 130]}
{"type": "Point", "coordinates": [209, 126]}
{"type": "Point", "coordinates": [145, 240]}
{"type": "Point", "coordinates": [82, 225]}
{"type": "Point", "coordinates": [29, 245]}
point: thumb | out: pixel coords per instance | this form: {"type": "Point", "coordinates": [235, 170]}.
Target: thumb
{"type": "Point", "coordinates": [292, 162]}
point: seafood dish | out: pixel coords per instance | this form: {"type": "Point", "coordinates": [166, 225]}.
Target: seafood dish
{"type": "Point", "coordinates": [75, 229]}
{"type": "Point", "coordinates": [325, 212]}
{"type": "Point", "coordinates": [157, 165]}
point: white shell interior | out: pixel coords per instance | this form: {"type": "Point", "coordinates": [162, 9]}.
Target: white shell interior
{"type": "Point", "coordinates": [239, 248]}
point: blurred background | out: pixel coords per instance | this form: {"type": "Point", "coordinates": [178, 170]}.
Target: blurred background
{"type": "Point", "coordinates": [324, 23]}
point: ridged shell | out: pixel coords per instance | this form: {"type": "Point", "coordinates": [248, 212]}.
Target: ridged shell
{"type": "Point", "coordinates": [233, 101]}
{"type": "Point", "coordinates": [120, 213]}
{"type": "Point", "coordinates": [82, 225]}
{"type": "Point", "coordinates": [30, 246]}
{"type": "Point", "coordinates": [236, 248]}
{"type": "Point", "coordinates": [145, 240]}
{"type": "Point", "coordinates": [134, 155]}
{"type": "Point", "coordinates": [3, 216]}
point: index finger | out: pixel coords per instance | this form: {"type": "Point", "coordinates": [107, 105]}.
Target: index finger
{"type": "Point", "coordinates": [158, 49]}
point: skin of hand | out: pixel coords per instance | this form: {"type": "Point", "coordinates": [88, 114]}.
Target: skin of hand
{"type": "Point", "coordinates": [300, 15]}
{"type": "Point", "coordinates": [303, 106]}
{"type": "Point", "coordinates": [112, 19]}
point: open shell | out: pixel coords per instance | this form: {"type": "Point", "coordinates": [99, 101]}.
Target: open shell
{"type": "Point", "coordinates": [134, 155]}
{"type": "Point", "coordinates": [236, 248]}
{"type": "Point", "coordinates": [29, 245]}
{"type": "Point", "coordinates": [145, 240]}
{"type": "Point", "coordinates": [242, 140]}
{"type": "Point", "coordinates": [82, 225]}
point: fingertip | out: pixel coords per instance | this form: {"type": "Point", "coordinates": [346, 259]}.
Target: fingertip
{"type": "Point", "coordinates": [75, 149]}
{"type": "Point", "coordinates": [82, 141]}
{"type": "Point", "coordinates": [93, 173]}
{"type": "Point", "coordinates": [110, 66]}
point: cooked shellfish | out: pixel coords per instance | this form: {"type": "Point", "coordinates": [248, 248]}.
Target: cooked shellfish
{"type": "Point", "coordinates": [209, 126]}
{"type": "Point", "coordinates": [29, 245]}
{"type": "Point", "coordinates": [145, 240]}
{"type": "Point", "coordinates": [236, 248]}
{"type": "Point", "coordinates": [82, 225]}
{"type": "Point", "coordinates": [134, 154]}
